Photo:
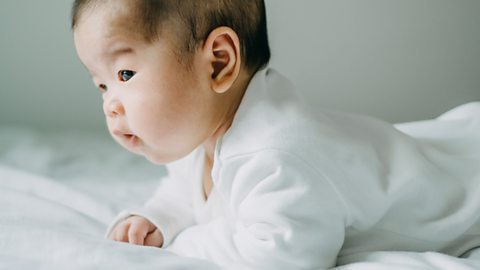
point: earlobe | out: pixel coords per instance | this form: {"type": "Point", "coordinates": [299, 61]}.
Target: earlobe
{"type": "Point", "coordinates": [223, 50]}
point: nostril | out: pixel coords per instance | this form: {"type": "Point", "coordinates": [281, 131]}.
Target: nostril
{"type": "Point", "coordinates": [114, 108]}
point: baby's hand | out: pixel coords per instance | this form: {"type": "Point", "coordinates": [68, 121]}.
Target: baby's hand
{"type": "Point", "coordinates": [138, 231]}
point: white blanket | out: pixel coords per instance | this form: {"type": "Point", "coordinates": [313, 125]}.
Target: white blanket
{"type": "Point", "coordinates": [55, 215]}
{"type": "Point", "coordinates": [59, 191]}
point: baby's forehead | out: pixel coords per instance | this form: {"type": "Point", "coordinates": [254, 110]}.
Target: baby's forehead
{"type": "Point", "coordinates": [124, 26]}
{"type": "Point", "coordinates": [136, 30]}
{"type": "Point", "coordinates": [112, 19]}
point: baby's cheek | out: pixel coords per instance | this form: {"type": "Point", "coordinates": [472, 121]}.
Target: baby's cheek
{"type": "Point", "coordinates": [109, 125]}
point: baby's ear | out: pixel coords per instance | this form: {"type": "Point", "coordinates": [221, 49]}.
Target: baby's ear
{"type": "Point", "coordinates": [222, 48]}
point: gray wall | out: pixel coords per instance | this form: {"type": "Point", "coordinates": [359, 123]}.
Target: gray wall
{"type": "Point", "coordinates": [42, 84]}
{"type": "Point", "coordinates": [399, 60]}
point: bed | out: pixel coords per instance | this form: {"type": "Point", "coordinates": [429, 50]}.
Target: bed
{"type": "Point", "coordinates": [59, 191]}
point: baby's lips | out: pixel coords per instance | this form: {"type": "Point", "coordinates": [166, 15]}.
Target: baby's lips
{"type": "Point", "coordinates": [122, 134]}
{"type": "Point", "coordinates": [128, 139]}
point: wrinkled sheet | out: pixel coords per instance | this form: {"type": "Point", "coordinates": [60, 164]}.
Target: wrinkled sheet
{"type": "Point", "coordinates": [56, 200]}
{"type": "Point", "coordinates": [59, 191]}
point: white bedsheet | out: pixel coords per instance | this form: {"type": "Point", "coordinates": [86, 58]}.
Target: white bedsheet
{"type": "Point", "coordinates": [57, 196]}
{"type": "Point", "coordinates": [58, 192]}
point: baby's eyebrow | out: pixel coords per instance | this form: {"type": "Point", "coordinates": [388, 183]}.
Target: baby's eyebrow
{"type": "Point", "coordinates": [116, 52]}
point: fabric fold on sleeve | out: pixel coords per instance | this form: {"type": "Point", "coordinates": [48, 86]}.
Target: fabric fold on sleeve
{"type": "Point", "coordinates": [283, 216]}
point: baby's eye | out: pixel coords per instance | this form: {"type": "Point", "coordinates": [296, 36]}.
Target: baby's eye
{"type": "Point", "coordinates": [125, 75]}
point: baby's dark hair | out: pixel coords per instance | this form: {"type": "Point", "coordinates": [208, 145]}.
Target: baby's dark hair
{"type": "Point", "coordinates": [197, 18]}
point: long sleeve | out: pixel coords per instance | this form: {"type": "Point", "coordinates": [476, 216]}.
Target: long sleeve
{"type": "Point", "coordinates": [281, 214]}
{"type": "Point", "coordinates": [170, 209]}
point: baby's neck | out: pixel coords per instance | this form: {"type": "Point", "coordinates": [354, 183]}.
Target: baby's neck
{"type": "Point", "coordinates": [236, 93]}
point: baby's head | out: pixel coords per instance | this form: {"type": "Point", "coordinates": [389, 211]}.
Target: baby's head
{"type": "Point", "coordinates": [172, 72]}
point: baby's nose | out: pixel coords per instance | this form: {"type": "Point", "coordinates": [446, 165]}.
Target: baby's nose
{"type": "Point", "coordinates": [113, 108]}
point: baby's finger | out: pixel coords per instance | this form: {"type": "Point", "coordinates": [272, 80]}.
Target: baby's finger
{"type": "Point", "coordinates": [154, 239]}
{"type": "Point", "coordinates": [137, 232]}
{"type": "Point", "coordinates": [112, 234]}
{"type": "Point", "coordinates": [121, 232]}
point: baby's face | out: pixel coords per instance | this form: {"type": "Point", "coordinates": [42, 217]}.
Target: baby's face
{"type": "Point", "coordinates": [152, 104]}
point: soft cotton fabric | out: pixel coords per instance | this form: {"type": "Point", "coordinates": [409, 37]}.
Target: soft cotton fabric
{"type": "Point", "coordinates": [297, 188]}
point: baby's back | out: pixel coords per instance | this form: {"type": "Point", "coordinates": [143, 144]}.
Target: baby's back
{"type": "Point", "coordinates": [399, 192]}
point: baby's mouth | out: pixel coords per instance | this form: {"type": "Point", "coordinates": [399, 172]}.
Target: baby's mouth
{"type": "Point", "coordinates": [129, 136]}
{"type": "Point", "coordinates": [129, 139]}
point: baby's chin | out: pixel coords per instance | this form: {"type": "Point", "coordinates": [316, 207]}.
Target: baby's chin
{"type": "Point", "coordinates": [159, 157]}
{"type": "Point", "coordinates": [155, 154]}
{"type": "Point", "coordinates": [158, 160]}
{"type": "Point", "coordinates": [134, 150]}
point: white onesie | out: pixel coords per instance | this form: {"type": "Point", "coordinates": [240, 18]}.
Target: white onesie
{"type": "Point", "coordinates": [295, 189]}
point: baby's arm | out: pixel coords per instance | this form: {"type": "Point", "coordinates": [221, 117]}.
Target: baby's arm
{"type": "Point", "coordinates": [280, 214]}
{"type": "Point", "coordinates": [167, 213]}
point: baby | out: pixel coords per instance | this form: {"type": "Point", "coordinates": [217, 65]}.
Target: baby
{"type": "Point", "coordinates": [254, 179]}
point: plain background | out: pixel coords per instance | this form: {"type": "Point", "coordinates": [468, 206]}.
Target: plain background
{"type": "Point", "coordinates": [400, 60]}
